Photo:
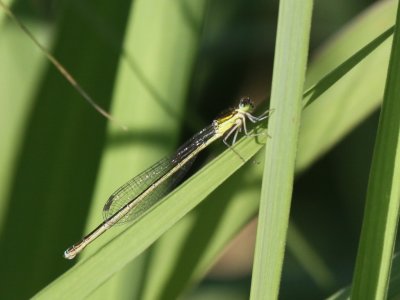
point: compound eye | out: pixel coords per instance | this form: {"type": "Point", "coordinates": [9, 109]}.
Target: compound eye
{"type": "Point", "coordinates": [246, 102]}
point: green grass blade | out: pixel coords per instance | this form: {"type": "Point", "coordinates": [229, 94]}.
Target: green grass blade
{"type": "Point", "coordinates": [62, 134]}
{"type": "Point", "coordinates": [291, 53]}
{"type": "Point", "coordinates": [379, 228]}
{"type": "Point", "coordinates": [198, 239]}
{"type": "Point", "coordinates": [355, 95]}
{"type": "Point", "coordinates": [2, 14]}
{"type": "Point", "coordinates": [351, 38]}
{"type": "Point", "coordinates": [93, 271]}
{"type": "Point", "coordinates": [394, 283]}
{"type": "Point", "coordinates": [147, 99]}
{"type": "Point", "coordinates": [325, 83]}
{"type": "Point", "coordinates": [202, 267]}
{"type": "Point", "coordinates": [229, 209]}
{"type": "Point", "coordinates": [115, 144]}
{"type": "Point", "coordinates": [13, 114]}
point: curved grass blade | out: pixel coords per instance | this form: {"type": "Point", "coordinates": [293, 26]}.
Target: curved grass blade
{"type": "Point", "coordinates": [78, 282]}
{"type": "Point", "coordinates": [225, 234]}
{"type": "Point", "coordinates": [143, 82]}
{"type": "Point", "coordinates": [379, 229]}
{"type": "Point", "coordinates": [198, 244]}
{"type": "Point", "coordinates": [355, 95]}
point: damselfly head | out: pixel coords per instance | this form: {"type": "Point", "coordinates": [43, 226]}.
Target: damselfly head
{"type": "Point", "coordinates": [246, 104]}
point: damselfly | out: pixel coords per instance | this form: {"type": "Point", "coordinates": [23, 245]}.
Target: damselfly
{"type": "Point", "coordinates": [140, 193]}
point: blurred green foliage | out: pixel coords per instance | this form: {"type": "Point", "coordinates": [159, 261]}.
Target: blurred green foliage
{"type": "Point", "coordinates": [53, 144]}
